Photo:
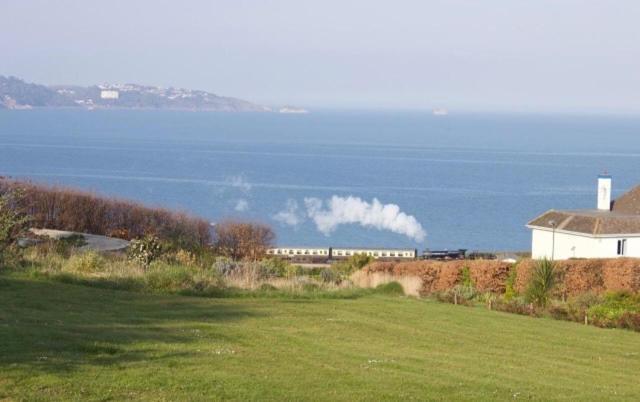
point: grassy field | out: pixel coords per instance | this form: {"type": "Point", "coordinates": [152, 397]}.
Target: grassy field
{"type": "Point", "coordinates": [69, 342]}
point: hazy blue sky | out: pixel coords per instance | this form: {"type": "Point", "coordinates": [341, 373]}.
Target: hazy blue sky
{"type": "Point", "coordinates": [473, 54]}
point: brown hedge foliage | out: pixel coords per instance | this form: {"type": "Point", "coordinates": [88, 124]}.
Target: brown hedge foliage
{"type": "Point", "coordinates": [595, 275]}
{"type": "Point", "coordinates": [575, 276]}
{"type": "Point", "coordinates": [438, 276]}
{"type": "Point", "coordinates": [69, 209]}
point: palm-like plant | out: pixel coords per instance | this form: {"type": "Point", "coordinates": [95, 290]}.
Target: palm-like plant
{"type": "Point", "coordinates": [543, 279]}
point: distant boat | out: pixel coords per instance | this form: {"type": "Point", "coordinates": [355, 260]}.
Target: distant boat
{"type": "Point", "coordinates": [292, 109]}
{"type": "Point", "coordinates": [440, 112]}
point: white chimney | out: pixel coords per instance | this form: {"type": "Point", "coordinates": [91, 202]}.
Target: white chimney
{"type": "Point", "coordinates": [604, 192]}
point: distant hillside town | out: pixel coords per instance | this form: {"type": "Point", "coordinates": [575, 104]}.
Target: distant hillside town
{"type": "Point", "coordinates": [15, 93]}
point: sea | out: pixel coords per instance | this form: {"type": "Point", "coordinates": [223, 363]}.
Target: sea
{"type": "Point", "coordinates": [335, 178]}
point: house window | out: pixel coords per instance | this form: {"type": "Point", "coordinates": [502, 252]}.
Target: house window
{"type": "Point", "coordinates": [622, 247]}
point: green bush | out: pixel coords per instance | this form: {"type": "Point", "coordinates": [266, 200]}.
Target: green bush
{"type": "Point", "coordinates": [578, 306]}
{"type": "Point", "coordinates": [87, 262]}
{"type": "Point", "coordinates": [167, 278]}
{"type": "Point", "coordinates": [275, 267]}
{"type": "Point", "coordinates": [613, 306]}
{"type": "Point", "coordinates": [390, 289]}
{"type": "Point", "coordinates": [510, 284]}
{"type": "Point", "coordinates": [543, 279]}
{"type": "Point", "coordinates": [352, 264]}
{"type": "Point", "coordinates": [465, 277]}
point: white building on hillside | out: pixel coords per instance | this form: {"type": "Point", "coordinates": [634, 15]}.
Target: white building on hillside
{"type": "Point", "coordinates": [109, 94]}
{"type": "Point", "coordinates": [612, 230]}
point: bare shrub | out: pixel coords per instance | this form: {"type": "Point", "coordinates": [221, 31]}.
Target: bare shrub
{"type": "Point", "coordinates": [242, 240]}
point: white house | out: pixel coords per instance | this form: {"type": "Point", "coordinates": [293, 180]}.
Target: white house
{"type": "Point", "coordinates": [609, 231]}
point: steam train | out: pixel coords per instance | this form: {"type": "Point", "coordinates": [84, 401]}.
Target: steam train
{"type": "Point", "coordinates": [324, 254]}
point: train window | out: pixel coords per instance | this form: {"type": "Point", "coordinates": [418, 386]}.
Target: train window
{"type": "Point", "coordinates": [290, 251]}
{"type": "Point", "coordinates": [347, 253]}
{"type": "Point", "coordinates": [384, 254]}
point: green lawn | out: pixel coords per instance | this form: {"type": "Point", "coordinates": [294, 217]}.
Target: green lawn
{"type": "Point", "coordinates": [67, 342]}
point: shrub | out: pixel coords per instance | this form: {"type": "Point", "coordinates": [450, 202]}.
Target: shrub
{"type": "Point", "coordinates": [13, 221]}
{"type": "Point", "coordinates": [165, 278]}
{"type": "Point", "coordinates": [185, 257]}
{"type": "Point", "coordinates": [87, 262]}
{"type": "Point", "coordinates": [390, 289]}
{"type": "Point", "coordinates": [543, 279]}
{"type": "Point", "coordinates": [510, 289]}
{"type": "Point", "coordinates": [328, 275]}
{"type": "Point", "coordinates": [275, 267]}
{"type": "Point", "coordinates": [578, 306]}
{"type": "Point", "coordinates": [464, 292]}
{"type": "Point", "coordinates": [293, 270]}
{"type": "Point", "coordinates": [144, 251]}
{"type": "Point", "coordinates": [66, 245]}
{"type": "Point", "coordinates": [352, 264]}
{"type": "Point", "coordinates": [559, 311]}
{"type": "Point", "coordinates": [242, 240]}
{"type": "Point", "coordinates": [613, 307]}
{"type": "Point", "coordinates": [517, 305]}
{"type": "Point", "coordinates": [224, 265]}
{"type": "Point", "coordinates": [630, 320]}
{"type": "Point", "coordinates": [465, 277]}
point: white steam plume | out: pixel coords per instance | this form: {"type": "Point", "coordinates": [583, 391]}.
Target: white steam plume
{"type": "Point", "coordinates": [242, 205]}
{"type": "Point", "coordinates": [354, 210]}
{"type": "Point", "coordinates": [289, 216]}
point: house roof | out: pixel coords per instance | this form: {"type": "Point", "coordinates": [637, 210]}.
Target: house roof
{"type": "Point", "coordinates": [629, 202]}
{"type": "Point", "coordinates": [592, 222]}
{"type": "Point", "coordinates": [624, 218]}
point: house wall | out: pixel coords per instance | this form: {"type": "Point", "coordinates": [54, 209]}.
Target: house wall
{"type": "Point", "coordinates": [569, 245]}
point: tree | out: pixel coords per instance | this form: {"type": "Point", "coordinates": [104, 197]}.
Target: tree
{"type": "Point", "coordinates": [242, 240]}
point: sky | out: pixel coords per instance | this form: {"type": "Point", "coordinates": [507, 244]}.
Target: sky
{"type": "Point", "coordinates": [472, 55]}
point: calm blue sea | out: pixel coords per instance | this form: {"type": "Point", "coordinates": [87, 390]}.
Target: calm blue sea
{"type": "Point", "coordinates": [471, 181]}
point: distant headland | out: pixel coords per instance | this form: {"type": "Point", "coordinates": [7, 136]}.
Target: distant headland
{"type": "Point", "coordinates": [16, 93]}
